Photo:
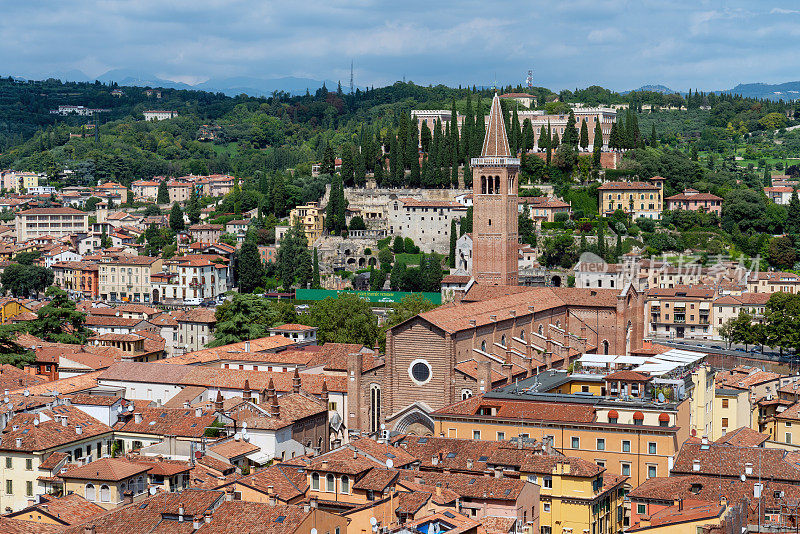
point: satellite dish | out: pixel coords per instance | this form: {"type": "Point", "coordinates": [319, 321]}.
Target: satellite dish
{"type": "Point", "coordinates": [153, 491]}
{"type": "Point", "coordinates": [389, 463]}
{"type": "Point", "coordinates": [743, 477]}
{"type": "Point", "coordinates": [119, 409]}
{"type": "Point", "coordinates": [237, 436]}
{"type": "Point", "coordinates": [373, 521]}
{"type": "Point", "coordinates": [130, 408]}
{"type": "Point", "coordinates": [661, 397]}
{"type": "Point", "coordinates": [383, 426]}
{"type": "Point", "coordinates": [313, 531]}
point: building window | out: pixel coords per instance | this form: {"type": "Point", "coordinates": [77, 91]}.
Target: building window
{"type": "Point", "coordinates": [641, 509]}
{"type": "Point", "coordinates": [725, 404]}
{"type": "Point", "coordinates": [532, 479]}
{"type": "Point", "coordinates": [651, 447]}
{"type": "Point", "coordinates": [9, 487]}
{"type": "Point", "coordinates": [419, 371]}
{"type": "Point", "coordinates": [576, 443]}
{"type": "Point", "coordinates": [476, 434]}
{"type": "Point", "coordinates": [466, 394]}
{"type": "Point", "coordinates": [546, 507]}
{"type": "Point", "coordinates": [547, 482]}
{"type": "Point", "coordinates": [651, 471]}
{"type": "Point", "coordinates": [315, 481]}
{"type": "Point", "coordinates": [788, 437]}
{"type": "Point", "coordinates": [601, 444]}
{"type": "Point", "coordinates": [724, 422]}
{"type": "Point", "coordinates": [375, 407]}
{"type": "Point", "coordinates": [626, 446]}
{"type": "Point", "coordinates": [626, 470]}
{"type": "Point", "coordinates": [483, 346]}
{"type": "Point", "coordinates": [330, 483]}
{"type": "Point", "coordinates": [501, 436]}
{"type": "Point", "coordinates": [89, 492]}
{"type": "Point", "coordinates": [345, 484]}
{"type": "Point", "coordinates": [8, 462]}
{"type": "Point", "coordinates": [29, 488]}
{"type": "Point", "coordinates": [29, 464]}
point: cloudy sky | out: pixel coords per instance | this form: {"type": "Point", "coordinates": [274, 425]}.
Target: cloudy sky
{"type": "Point", "coordinates": [615, 43]}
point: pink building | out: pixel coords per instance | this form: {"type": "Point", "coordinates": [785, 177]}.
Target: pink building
{"type": "Point", "coordinates": [693, 200]}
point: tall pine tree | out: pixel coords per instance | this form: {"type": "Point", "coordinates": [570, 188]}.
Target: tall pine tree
{"type": "Point", "coordinates": [584, 141]}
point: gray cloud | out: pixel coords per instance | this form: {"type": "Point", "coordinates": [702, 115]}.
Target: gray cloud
{"type": "Point", "coordinates": [617, 43]}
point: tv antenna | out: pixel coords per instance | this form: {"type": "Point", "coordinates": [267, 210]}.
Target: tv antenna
{"type": "Point", "coordinates": [351, 77]}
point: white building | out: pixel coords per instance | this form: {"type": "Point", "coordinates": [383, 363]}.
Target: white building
{"type": "Point", "coordinates": [159, 115]}
{"type": "Point", "coordinates": [427, 222]}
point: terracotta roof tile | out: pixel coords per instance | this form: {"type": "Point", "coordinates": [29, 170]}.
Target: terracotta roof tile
{"type": "Point", "coordinates": [105, 469]}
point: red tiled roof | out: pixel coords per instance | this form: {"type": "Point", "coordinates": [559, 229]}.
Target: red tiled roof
{"type": "Point", "coordinates": [105, 469]}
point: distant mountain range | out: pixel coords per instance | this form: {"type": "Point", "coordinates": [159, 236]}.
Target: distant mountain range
{"type": "Point", "coordinates": [230, 86]}
{"type": "Point", "coordinates": [784, 91]}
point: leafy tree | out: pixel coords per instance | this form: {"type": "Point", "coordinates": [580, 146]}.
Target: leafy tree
{"type": "Point", "coordinates": [743, 209]}
{"type": "Point", "coordinates": [247, 316]}
{"type": "Point", "coordinates": [193, 208]}
{"type": "Point", "coordinates": [28, 257]}
{"type": "Point", "coordinates": [25, 280]}
{"type": "Point", "coordinates": [151, 210]}
{"type": "Point", "coordinates": [559, 250]}
{"type": "Point", "coordinates": [176, 218]}
{"type": "Point", "coordinates": [357, 223]}
{"type": "Point", "coordinates": [250, 270]}
{"type": "Point", "coordinates": [385, 258]}
{"type": "Point", "coordinates": [345, 319]}
{"type": "Point", "coordinates": [526, 227]}
{"type": "Point", "coordinates": [163, 193]}
{"type": "Point", "coordinates": [793, 214]}
{"type": "Point", "coordinates": [11, 352]}
{"type": "Point", "coordinates": [59, 321]}
{"type": "Point", "coordinates": [377, 277]}
{"type": "Point", "coordinates": [399, 245]}
{"type": "Point", "coordinates": [91, 203]}
{"type": "Point", "coordinates": [781, 253]}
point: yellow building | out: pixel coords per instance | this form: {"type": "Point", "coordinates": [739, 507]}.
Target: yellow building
{"type": "Point", "coordinates": [30, 442]}
{"type": "Point", "coordinates": [18, 182]}
{"type": "Point", "coordinates": [636, 441]}
{"type": "Point", "coordinates": [702, 401]}
{"type": "Point", "coordinates": [312, 218]}
{"type": "Point", "coordinates": [127, 277]}
{"type": "Point", "coordinates": [9, 308]}
{"type": "Point", "coordinates": [105, 481]}
{"type": "Point", "coordinates": [575, 495]}
{"type": "Point", "coordinates": [637, 199]}
{"type": "Point", "coordinates": [731, 410]}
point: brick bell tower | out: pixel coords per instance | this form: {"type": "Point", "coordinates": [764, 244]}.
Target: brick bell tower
{"type": "Point", "coordinates": [494, 198]}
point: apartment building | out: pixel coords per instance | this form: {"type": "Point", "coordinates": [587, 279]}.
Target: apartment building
{"type": "Point", "coordinates": [191, 277]}
{"type": "Point", "coordinates": [773, 282]}
{"type": "Point", "coordinates": [195, 329]}
{"type": "Point", "coordinates": [427, 222]}
{"type": "Point", "coordinates": [636, 199]}
{"type": "Point", "coordinates": [19, 182]}
{"type": "Point", "coordinates": [544, 209]}
{"type": "Point", "coordinates": [33, 444]}
{"type": "Point", "coordinates": [206, 233]}
{"type": "Point", "coordinates": [312, 219]}
{"type": "Point", "coordinates": [145, 189]}
{"type": "Point", "coordinates": [679, 312]}
{"type": "Point", "coordinates": [159, 115]}
{"type": "Point", "coordinates": [54, 222]}
{"type": "Point", "coordinates": [729, 307]}
{"type": "Point", "coordinates": [127, 278]}
{"type": "Point", "coordinates": [179, 191]}
{"type": "Point", "coordinates": [694, 200]}
{"type": "Point", "coordinates": [781, 194]}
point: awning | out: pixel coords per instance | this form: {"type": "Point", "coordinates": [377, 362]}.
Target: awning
{"type": "Point", "coordinates": [259, 457]}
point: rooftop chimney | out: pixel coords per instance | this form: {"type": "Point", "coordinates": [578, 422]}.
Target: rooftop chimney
{"type": "Point", "coordinates": [88, 530]}
{"type": "Point", "coordinates": [19, 442]}
{"type": "Point", "coordinates": [198, 412]}
{"type": "Point", "coordinates": [296, 381]}
{"type": "Point", "coordinates": [218, 402]}
{"type": "Point", "coordinates": [197, 521]}
{"type": "Point", "coordinates": [247, 346]}
{"type": "Point", "coordinates": [137, 418]}
{"type": "Point", "coordinates": [229, 494]}
{"type": "Point", "coordinates": [63, 420]}
{"type": "Point", "coordinates": [748, 468]}
{"type": "Point", "coordinates": [180, 512]}
{"type": "Point", "coordinates": [186, 405]}
{"type": "Point", "coordinates": [312, 501]}
{"type": "Point", "coordinates": [696, 465]}
{"type": "Point", "coordinates": [78, 429]}
{"type": "Point", "coordinates": [272, 501]}
{"type": "Point", "coordinates": [207, 516]}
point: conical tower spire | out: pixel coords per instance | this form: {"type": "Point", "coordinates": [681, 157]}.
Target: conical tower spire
{"type": "Point", "coordinates": [495, 144]}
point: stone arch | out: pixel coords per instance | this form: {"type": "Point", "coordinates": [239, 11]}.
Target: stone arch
{"type": "Point", "coordinates": [362, 262]}
{"type": "Point", "coordinates": [556, 280]}
{"type": "Point", "coordinates": [416, 423]}
{"type": "Point", "coordinates": [155, 296]}
{"type": "Point", "coordinates": [373, 261]}
{"type": "Point", "coordinates": [351, 261]}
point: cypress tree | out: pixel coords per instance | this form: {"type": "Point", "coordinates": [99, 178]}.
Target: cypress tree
{"type": "Point", "coordinates": [653, 137]}
{"type": "Point", "coordinates": [315, 273]}
{"type": "Point", "coordinates": [249, 270]}
{"type": "Point", "coordinates": [331, 209]}
{"type": "Point", "coordinates": [360, 174]}
{"type": "Point", "coordinates": [348, 169]}
{"type": "Point", "coordinates": [454, 144]}
{"type": "Point", "coordinates": [378, 173]}
{"type": "Point", "coordinates": [328, 161]}
{"type": "Point", "coordinates": [425, 137]}
{"type": "Point", "coordinates": [768, 180]}
{"type": "Point", "coordinates": [549, 145]}
{"type": "Point", "coordinates": [597, 146]}
{"type": "Point", "coordinates": [176, 218]}
{"type": "Point", "coordinates": [543, 137]}
{"type": "Point", "coordinates": [555, 141]}
{"type": "Point", "coordinates": [516, 134]}
{"type": "Point", "coordinates": [527, 135]}
{"type": "Point", "coordinates": [584, 141]}
{"type": "Point", "coordinates": [163, 193]}
{"type": "Point", "coordinates": [793, 218]}
{"type": "Point", "coordinates": [466, 132]}
{"type": "Point", "coordinates": [601, 239]}
{"type": "Point", "coordinates": [278, 195]}
{"type": "Point", "coordinates": [415, 180]}
{"type": "Point", "coordinates": [570, 134]}
{"type": "Point", "coordinates": [480, 130]}
{"type": "Point", "coordinates": [395, 162]}
{"type": "Point", "coordinates": [453, 238]}
{"type": "Point", "coordinates": [613, 138]}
